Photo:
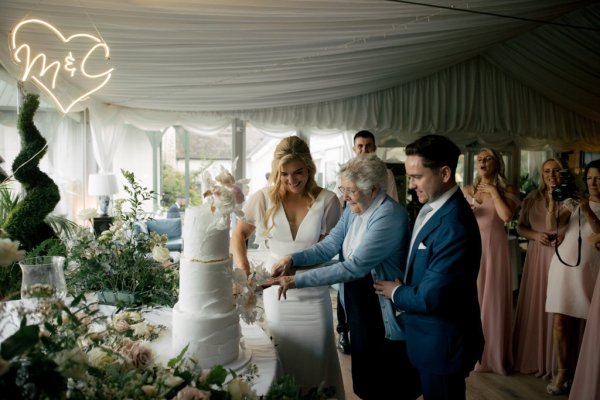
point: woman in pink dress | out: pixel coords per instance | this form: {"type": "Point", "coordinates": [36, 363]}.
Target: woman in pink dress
{"type": "Point", "coordinates": [494, 203]}
{"type": "Point", "coordinates": [532, 335]}
{"type": "Point", "coordinates": [586, 385]}
{"type": "Point", "coordinates": [572, 277]}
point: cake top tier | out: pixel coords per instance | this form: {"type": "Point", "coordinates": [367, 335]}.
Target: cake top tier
{"type": "Point", "coordinates": [206, 227]}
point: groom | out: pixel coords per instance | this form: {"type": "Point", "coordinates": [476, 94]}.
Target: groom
{"type": "Point", "coordinates": [438, 300]}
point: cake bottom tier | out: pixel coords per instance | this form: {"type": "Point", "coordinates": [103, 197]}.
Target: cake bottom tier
{"type": "Point", "coordinates": [212, 340]}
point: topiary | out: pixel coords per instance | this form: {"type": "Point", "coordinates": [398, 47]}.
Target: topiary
{"type": "Point", "coordinates": [25, 222]}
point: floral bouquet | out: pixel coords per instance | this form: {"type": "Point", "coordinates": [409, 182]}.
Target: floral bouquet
{"type": "Point", "coordinates": [245, 288]}
{"type": "Point", "coordinates": [224, 195]}
{"type": "Point", "coordinates": [77, 352]}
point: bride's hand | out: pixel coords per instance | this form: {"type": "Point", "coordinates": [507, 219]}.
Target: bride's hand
{"type": "Point", "coordinates": [282, 267]}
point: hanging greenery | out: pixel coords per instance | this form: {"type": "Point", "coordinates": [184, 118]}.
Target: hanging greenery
{"type": "Point", "coordinates": [25, 222]}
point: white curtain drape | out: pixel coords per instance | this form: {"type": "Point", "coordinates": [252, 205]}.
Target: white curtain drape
{"type": "Point", "coordinates": [107, 128]}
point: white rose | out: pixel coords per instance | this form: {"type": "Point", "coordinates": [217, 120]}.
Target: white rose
{"type": "Point", "coordinates": [149, 390]}
{"type": "Point", "coordinates": [99, 358]}
{"type": "Point", "coordinates": [161, 254]}
{"type": "Point", "coordinates": [9, 252]}
{"type": "Point", "coordinates": [240, 389]}
{"type": "Point", "coordinates": [173, 381]}
{"type": "Point", "coordinates": [87, 214]}
{"type": "Point", "coordinates": [120, 325]}
{"type": "Point", "coordinates": [71, 363]}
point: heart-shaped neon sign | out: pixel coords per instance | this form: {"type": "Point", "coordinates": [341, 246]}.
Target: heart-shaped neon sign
{"type": "Point", "coordinates": [22, 54]}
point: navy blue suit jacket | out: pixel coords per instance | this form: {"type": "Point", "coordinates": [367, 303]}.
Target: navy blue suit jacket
{"type": "Point", "coordinates": [441, 310]}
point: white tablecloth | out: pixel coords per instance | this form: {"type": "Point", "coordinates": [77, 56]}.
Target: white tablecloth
{"type": "Point", "coordinates": [258, 347]}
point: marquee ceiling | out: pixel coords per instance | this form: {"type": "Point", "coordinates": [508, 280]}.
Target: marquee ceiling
{"type": "Point", "coordinates": [184, 55]}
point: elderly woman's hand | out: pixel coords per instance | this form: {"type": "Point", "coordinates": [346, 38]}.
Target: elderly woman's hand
{"type": "Point", "coordinates": [285, 283]}
{"type": "Point", "coordinates": [282, 267]}
{"type": "Point", "coordinates": [386, 288]}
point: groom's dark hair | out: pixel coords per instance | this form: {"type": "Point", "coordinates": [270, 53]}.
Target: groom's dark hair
{"type": "Point", "coordinates": [436, 150]}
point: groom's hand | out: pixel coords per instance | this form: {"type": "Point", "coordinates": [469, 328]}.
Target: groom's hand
{"type": "Point", "coordinates": [285, 283]}
{"type": "Point", "coordinates": [386, 288]}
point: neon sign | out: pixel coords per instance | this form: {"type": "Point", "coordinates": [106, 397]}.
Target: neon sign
{"type": "Point", "coordinates": [46, 75]}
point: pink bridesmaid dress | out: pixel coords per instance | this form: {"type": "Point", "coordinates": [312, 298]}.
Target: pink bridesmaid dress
{"type": "Point", "coordinates": [494, 287]}
{"type": "Point", "coordinates": [532, 335]}
{"type": "Point", "coordinates": [586, 384]}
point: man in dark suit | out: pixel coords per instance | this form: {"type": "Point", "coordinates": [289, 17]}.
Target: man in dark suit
{"type": "Point", "coordinates": [175, 210]}
{"type": "Point", "coordinates": [438, 300]}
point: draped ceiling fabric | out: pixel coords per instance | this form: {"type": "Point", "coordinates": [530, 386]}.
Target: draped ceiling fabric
{"type": "Point", "coordinates": [399, 69]}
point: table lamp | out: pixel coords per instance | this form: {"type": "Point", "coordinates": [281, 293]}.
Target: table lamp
{"type": "Point", "coordinates": [104, 186]}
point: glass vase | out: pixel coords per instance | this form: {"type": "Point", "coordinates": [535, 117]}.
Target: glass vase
{"type": "Point", "coordinates": [43, 277]}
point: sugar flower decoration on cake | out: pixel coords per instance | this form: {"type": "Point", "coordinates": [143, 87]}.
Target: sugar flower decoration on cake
{"type": "Point", "coordinates": [245, 288]}
{"type": "Point", "coordinates": [224, 194]}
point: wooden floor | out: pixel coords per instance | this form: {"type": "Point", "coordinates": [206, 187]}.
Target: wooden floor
{"type": "Point", "coordinates": [480, 386]}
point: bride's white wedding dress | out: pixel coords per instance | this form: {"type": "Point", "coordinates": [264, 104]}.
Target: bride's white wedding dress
{"type": "Point", "coordinates": [302, 325]}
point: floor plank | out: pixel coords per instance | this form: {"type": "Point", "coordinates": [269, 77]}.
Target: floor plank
{"type": "Point", "coordinates": [480, 386]}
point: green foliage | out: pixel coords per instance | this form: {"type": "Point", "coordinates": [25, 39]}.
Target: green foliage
{"type": "Point", "coordinates": [526, 185]}
{"type": "Point", "coordinates": [173, 183]}
{"type": "Point", "coordinates": [8, 201]}
{"type": "Point", "coordinates": [10, 282]}
{"type": "Point", "coordinates": [49, 247]}
{"type": "Point", "coordinates": [121, 260]}
{"type": "Point", "coordinates": [285, 388]}
{"type": "Point", "coordinates": [25, 222]}
{"type": "Point", "coordinates": [67, 356]}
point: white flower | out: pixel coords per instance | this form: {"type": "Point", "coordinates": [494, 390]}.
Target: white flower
{"type": "Point", "coordinates": [99, 358]}
{"type": "Point", "coordinates": [149, 390]}
{"type": "Point", "coordinates": [161, 254]}
{"type": "Point", "coordinates": [9, 252]}
{"type": "Point", "coordinates": [173, 381]}
{"type": "Point", "coordinates": [141, 329]}
{"type": "Point", "coordinates": [71, 362]}
{"type": "Point", "coordinates": [87, 214]}
{"type": "Point", "coordinates": [239, 276]}
{"type": "Point", "coordinates": [120, 325]}
{"type": "Point", "coordinates": [260, 274]}
{"type": "Point", "coordinates": [240, 389]}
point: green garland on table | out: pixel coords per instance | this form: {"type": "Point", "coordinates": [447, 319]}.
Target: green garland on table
{"type": "Point", "coordinates": [25, 222]}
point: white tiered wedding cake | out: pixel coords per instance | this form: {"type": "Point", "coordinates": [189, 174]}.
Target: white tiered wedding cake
{"type": "Point", "coordinates": [205, 316]}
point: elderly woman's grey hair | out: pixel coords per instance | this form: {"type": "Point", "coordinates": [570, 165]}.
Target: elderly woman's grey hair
{"type": "Point", "coordinates": [365, 171]}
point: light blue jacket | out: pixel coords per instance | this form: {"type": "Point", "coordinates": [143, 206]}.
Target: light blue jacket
{"type": "Point", "coordinates": [382, 252]}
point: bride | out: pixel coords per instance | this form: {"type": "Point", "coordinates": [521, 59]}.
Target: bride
{"type": "Point", "coordinates": [291, 215]}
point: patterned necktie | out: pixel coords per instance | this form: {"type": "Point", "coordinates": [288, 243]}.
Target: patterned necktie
{"type": "Point", "coordinates": [422, 214]}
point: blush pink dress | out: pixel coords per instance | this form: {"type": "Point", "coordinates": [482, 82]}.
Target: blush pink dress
{"type": "Point", "coordinates": [586, 384]}
{"type": "Point", "coordinates": [494, 287]}
{"type": "Point", "coordinates": [532, 335]}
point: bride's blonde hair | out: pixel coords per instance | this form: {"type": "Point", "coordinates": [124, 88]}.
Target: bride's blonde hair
{"type": "Point", "coordinates": [290, 149]}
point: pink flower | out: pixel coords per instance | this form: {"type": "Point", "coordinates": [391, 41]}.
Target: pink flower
{"type": "Point", "coordinates": [191, 393]}
{"type": "Point", "coordinates": [141, 356]}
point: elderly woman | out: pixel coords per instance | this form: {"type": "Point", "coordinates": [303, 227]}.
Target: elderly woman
{"type": "Point", "coordinates": [372, 240]}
